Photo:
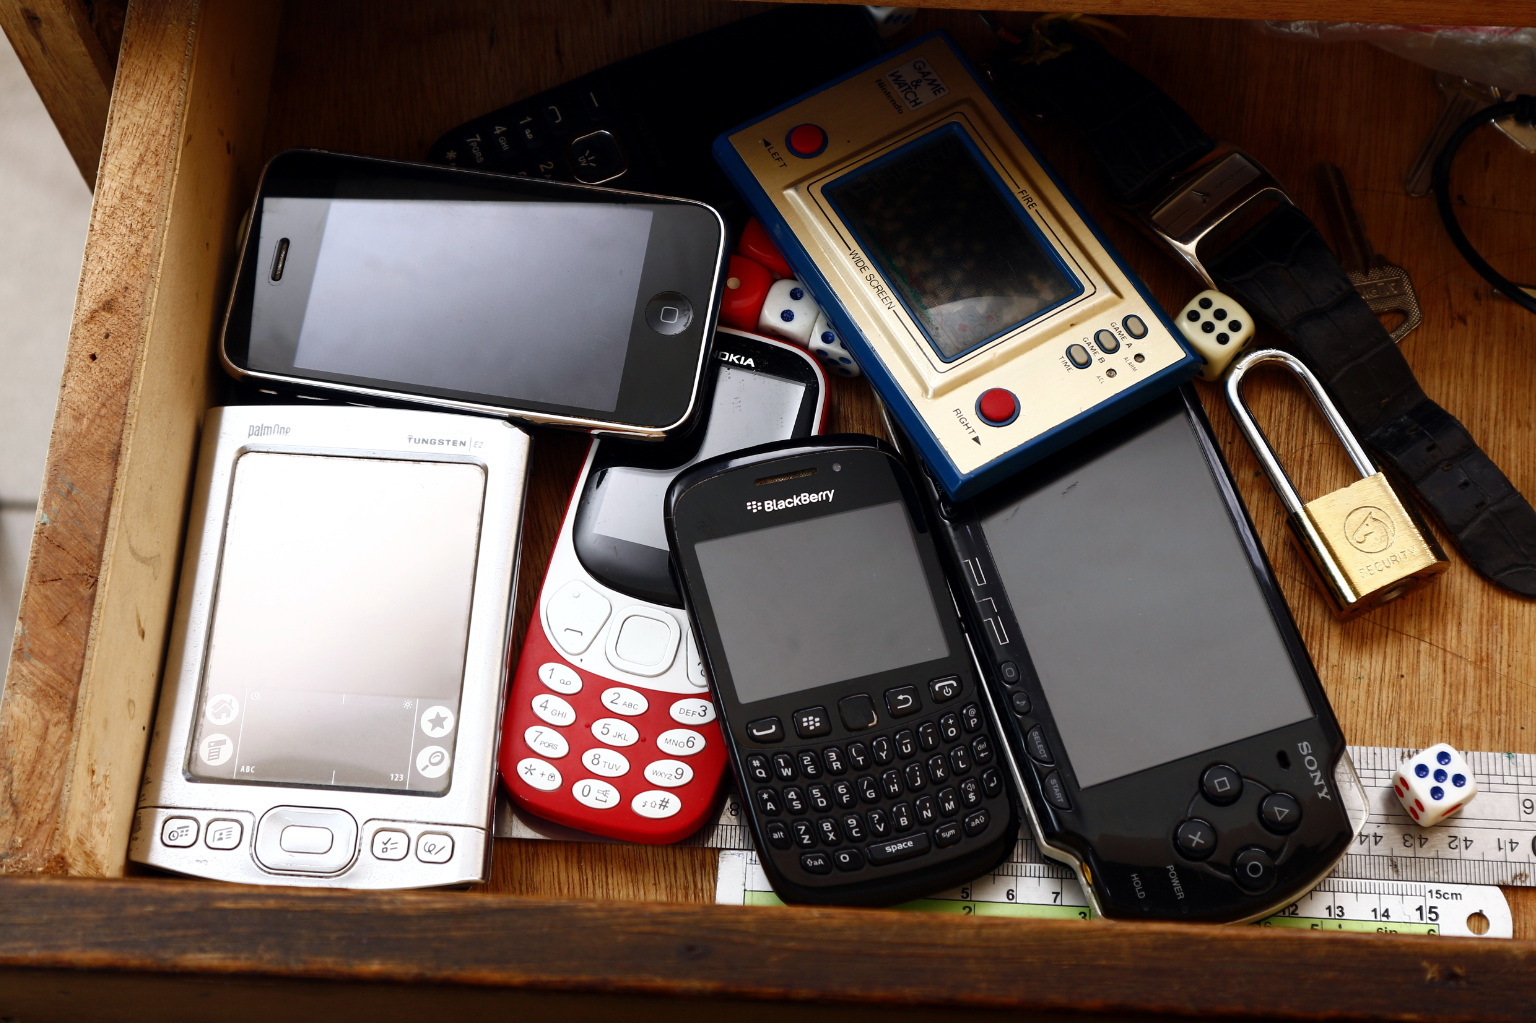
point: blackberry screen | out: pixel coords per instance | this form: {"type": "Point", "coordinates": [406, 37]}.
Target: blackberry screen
{"type": "Point", "coordinates": [821, 600]}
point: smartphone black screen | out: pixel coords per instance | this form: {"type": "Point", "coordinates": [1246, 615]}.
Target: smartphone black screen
{"type": "Point", "coordinates": [496, 292]}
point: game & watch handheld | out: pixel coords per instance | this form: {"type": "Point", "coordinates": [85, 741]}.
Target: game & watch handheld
{"type": "Point", "coordinates": [1170, 736]}
{"type": "Point", "coordinates": [861, 737]}
{"type": "Point", "coordinates": [338, 656]}
{"type": "Point", "coordinates": [609, 726]}
{"type": "Point", "coordinates": [989, 313]}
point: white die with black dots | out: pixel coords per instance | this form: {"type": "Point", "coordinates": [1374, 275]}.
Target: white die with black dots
{"type": "Point", "coordinates": [1217, 328]}
{"type": "Point", "coordinates": [1433, 784]}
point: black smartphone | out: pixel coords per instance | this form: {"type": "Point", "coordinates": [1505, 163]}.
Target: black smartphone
{"type": "Point", "coordinates": [863, 743]}
{"type": "Point", "coordinates": [647, 122]}
{"type": "Point", "coordinates": [1168, 731]}
{"type": "Point", "coordinates": [555, 303]}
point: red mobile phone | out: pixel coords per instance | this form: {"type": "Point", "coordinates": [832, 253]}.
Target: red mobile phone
{"type": "Point", "coordinates": [609, 726]}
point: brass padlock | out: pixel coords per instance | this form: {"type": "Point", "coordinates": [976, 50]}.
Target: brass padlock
{"type": "Point", "coordinates": [1364, 544]}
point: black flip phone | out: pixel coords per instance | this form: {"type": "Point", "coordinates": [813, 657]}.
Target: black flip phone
{"type": "Point", "coordinates": [560, 304]}
{"type": "Point", "coordinates": [646, 123]}
{"type": "Point", "coordinates": [1170, 736]}
{"type": "Point", "coordinates": [862, 740]}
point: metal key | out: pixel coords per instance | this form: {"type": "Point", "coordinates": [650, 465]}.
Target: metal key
{"type": "Point", "coordinates": [1463, 98]}
{"type": "Point", "coordinates": [1384, 285]}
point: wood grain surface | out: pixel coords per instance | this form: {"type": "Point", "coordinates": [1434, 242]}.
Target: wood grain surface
{"type": "Point", "coordinates": [1456, 662]}
{"type": "Point", "coordinates": [70, 65]}
{"type": "Point", "coordinates": [864, 958]}
{"type": "Point", "coordinates": [1395, 12]}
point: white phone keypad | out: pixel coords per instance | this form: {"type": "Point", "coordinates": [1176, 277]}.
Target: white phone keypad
{"type": "Point", "coordinates": [684, 742]}
{"type": "Point", "coordinates": [554, 710]}
{"type": "Point", "coordinates": [542, 776]}
{"type": "Point", "coordinates": [560, 677]}
{"type": "Point", "coordinates": [605, 762]}
{"type": "Point", "coordinates": [656, 804]}
{"type": "Point", "coordinates": [546, 741]}
{"type": "Point", "coordinates": [615, 732]}
{"type": "Point", "coordinates": [625, 701]}
{"type": "Point", "coordinates": [668, 773]}
{"type": "Point", "coordinates": [599, 795]}
{"type": "Point", "coordinates": [693, 711]}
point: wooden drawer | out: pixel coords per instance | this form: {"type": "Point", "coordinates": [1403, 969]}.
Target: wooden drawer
{"type": "Point", "coordinates": [206, 91]}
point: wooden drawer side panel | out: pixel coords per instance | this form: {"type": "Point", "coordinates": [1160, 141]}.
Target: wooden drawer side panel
{"type": "Point", "coordinates": [180, 160]}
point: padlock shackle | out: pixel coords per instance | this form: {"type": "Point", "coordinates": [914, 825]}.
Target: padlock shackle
{"type": "Point", "coordinates": [1260, 444]}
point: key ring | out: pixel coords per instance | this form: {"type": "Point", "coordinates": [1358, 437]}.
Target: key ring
{"type": "Point", "coordinates": [1523, 108]}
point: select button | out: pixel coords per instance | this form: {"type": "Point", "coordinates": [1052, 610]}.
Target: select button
{"type": "Point", "coordinates": [1079, 356]}
{"type": "Point", "coordinates": [1106, 341]}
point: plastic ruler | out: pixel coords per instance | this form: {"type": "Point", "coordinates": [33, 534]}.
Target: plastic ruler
{"type": "Point", "coordinates": [1487, 842]}
{"type": "Point", "coordinates": [1023, 889]}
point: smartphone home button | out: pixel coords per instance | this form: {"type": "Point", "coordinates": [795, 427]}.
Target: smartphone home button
{"type": "Point", "coordinates": [669, 313]}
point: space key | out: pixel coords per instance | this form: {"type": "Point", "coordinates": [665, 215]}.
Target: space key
{"type": "Point", "coordinates": [898, 849]}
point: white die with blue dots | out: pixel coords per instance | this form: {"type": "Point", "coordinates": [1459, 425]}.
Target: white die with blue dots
{"type": "Point", "coordinates": [789, 312]}
{"type": "Point", "coordinates": [828, 346]}
{"type": "Point", "coordinates": [1433, 784]}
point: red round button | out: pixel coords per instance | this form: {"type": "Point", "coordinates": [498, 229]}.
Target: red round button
{"type": "Point", "coordinates": [807, 140]}
{"type": "Point", "coordinates": [998, 406]}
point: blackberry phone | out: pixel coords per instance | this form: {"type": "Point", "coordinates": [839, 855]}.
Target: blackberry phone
{"type": "Point", "coordinates": [1167, 729]}
{"type": "Point", "coordinates": [646, 122]}
{"type": "Point", "coordinates": [609, 727]}
{"type": "Point", "coordinates": [862, 740]}
{"type": "Point", "coordinates": [559, 304]}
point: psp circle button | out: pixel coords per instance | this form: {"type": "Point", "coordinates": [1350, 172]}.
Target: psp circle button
{"type": "Point", "coordinates": [215, 749]}
{"type": "Point", "coordinates": [437, 721]}
{"type": "Point", "coordinates": [222, 709]}
{"type": "Point", "coordinates": [1253, 869]}
{"type": "Point", "coordinates": [669, 313]}
{"type": "Point", "coordinates": [432, 762]}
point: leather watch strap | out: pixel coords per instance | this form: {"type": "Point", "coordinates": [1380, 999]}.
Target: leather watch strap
{"type": "Point", "coordinates": [1283, 271]}
{"type": "Point", "coordinates": [1139, 136]}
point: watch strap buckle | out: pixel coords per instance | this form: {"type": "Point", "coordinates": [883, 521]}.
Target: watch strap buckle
{"type": "Point", "coordinates": [1204, 198]}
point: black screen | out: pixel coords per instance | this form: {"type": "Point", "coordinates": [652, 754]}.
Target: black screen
{"type": "Point", "coordinates": [951, 241]}
{"type": "Point", "coordinates": [524, 300]}
{"type": "Point", "coordinates": [1140, 609]}
{"type": "Point", "coordinates": [821, 600]}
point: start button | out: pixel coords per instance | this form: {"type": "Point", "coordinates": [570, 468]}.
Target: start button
{"type": "Point", "coordinates": [997, 407]}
